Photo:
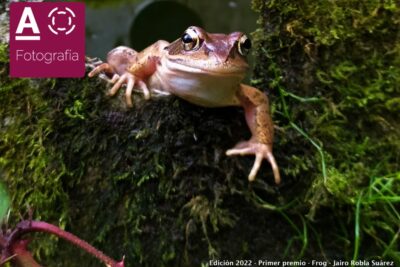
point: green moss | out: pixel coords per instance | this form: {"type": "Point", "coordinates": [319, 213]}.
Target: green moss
{"type": "Point", "coordinates": [153, 182]}
{"type": "Point", "coordinates": [3, 53]}
{"type": "Point", "coordinates": [332, 68]}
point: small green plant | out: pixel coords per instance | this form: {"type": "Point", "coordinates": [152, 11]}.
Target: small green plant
{"type": "Point", "coordinates": [4, 201]}
{"type": "Point", "coordinates": [377, 214]}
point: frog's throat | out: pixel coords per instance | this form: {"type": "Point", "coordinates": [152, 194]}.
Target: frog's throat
{"type": "Point", "coordinates": [178, 65]}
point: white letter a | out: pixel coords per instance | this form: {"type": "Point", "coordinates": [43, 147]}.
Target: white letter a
{"type": "Point", "coordinates": [27, 14]}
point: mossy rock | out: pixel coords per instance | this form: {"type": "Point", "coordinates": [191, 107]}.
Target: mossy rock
{"type": "Point", "coordinates": [333, 70]}
{"type": "Point", "coordinates": [153, 182]}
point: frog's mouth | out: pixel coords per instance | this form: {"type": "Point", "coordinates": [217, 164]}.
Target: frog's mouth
{"type": "Point", "coordinates": [211, 69]}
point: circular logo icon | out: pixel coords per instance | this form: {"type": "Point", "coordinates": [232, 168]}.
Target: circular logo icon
{"type": "Point", "coordinates": [61, 21]}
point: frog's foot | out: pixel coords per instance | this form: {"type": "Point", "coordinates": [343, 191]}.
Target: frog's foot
{"type": "Point", "coordinates": [261, 151]}
{"type": "Point", "coordinates": [130, 81]}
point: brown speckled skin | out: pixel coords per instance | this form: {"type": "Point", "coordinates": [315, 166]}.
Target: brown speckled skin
{"type": "Point", "coordinates": [256, 105]}
{"type": "Point", "coordinates": [208, 75]}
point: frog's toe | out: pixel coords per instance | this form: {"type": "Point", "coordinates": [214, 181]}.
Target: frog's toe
{"type": "Point", "coordinates": [117, 85]}
{"type": "Point", "coordinates": [131, 81]}
{"type": "Point", "coordinates": [143, 87]}
{"type": "Point", "coordinates": [98, 69]}
{"type": "Point", "coordinates": [129, 88]}
{"type": "Point", "coordinates": [241, 148]}
{"type": "Point", "coordinates": [114, 79]}
{"type": "Point", "coordinates": [260, 151]}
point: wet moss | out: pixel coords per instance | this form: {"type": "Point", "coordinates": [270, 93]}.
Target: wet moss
{"type": "Point", "coordinates": [332, 69]}
{"type": "Point", "coordinates": [153, 183]}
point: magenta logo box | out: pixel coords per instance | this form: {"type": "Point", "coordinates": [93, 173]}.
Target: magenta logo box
{"type": "Point", "coordinates": [47, 39]}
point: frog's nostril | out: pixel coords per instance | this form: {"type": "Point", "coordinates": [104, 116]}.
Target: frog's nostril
{"type": "Point", "coordinates": [221, 58]}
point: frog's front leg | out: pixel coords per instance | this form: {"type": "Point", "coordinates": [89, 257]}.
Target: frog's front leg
{"type": "Point", "coordinates": [256, 106]}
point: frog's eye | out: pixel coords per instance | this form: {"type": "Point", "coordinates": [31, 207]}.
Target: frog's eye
{"type": "Point", "coordinates": [190, 40]}
{"type": "Point", "coordinates": [244, 45]}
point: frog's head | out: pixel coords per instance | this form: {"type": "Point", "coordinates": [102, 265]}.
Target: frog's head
{"type": "Point", "coordinates": [198, 51]}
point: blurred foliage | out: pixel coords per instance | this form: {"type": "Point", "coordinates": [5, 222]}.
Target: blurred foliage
{"type": "Point", "coordinates": [333, 71]}
{"type": "Point", "coordinates": [107, 3]}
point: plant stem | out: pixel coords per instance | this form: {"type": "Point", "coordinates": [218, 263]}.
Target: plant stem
{"type": "Point", "coordinates": [28, 226]}
{"type": "Point", "coordinates": [357, 228]}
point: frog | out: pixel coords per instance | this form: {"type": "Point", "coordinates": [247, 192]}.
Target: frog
{"type": "Point", "coordinates": [205, 69]}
